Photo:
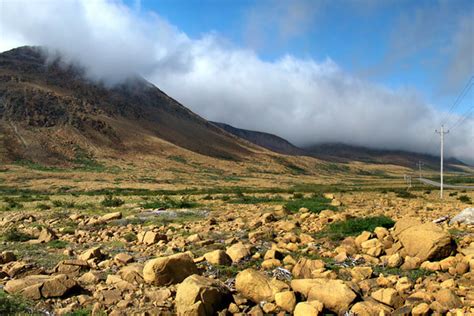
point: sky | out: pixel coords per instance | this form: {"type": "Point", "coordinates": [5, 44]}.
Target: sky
{"type": "Point", "coordinates": [382, 74]}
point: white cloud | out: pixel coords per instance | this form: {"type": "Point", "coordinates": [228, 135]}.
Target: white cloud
{"type": "Point", "coordinates": [304, 100]}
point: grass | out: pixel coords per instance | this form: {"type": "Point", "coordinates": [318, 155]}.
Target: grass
{"type": "Point", "coordinates": [314, 204]}
{"type": "Point", "coordinates": [14, 305]}
{"type": "Point", "coordinates": [111, 201]}
{"type": "Point", "coordinates": [168, 203]}
{"type": "Point", "coordinates": [14, 234]}
{"type": "Point", "coordinates": [404, 194]}
{"type": "Point", "coordinates": [411, 274]}
{"type": "Point", "coordinates": [251, 199]}
{"type": "Point", "coordinates": [11, 204]}
{"type": "Point", "coordinates": [355, 226]}
{"type": "Point", "coordinates": [57, 244]}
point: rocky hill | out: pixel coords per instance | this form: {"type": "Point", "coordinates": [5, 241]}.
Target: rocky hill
{"type": "Point", "coordinates": [49, 112]}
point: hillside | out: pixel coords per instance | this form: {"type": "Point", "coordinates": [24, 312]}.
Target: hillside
{"type": "Point", "coordinates": [51, 114]}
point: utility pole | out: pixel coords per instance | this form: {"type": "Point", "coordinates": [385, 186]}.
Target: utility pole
{"type": "Point", "coordinates": [442, 132]}
{"type": "Point", "coordinates": [420, 164]}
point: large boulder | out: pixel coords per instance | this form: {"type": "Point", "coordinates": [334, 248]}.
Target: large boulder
{"type": "Point", "coordinates": [198, 295]}
{"type": "Point", "coordinates": [169, 270]}
{"type": "Point", "coordinates": [37, 286]}
{"type": "Point", "coordinates": [257, 287]}
{"type": "Point", "coordinates": [425, 241]}
{"type": "Point", "coordinates": [465, 217]}
{"type": "Point", "coordinates": [305, 267]}
{"type": "Point", "coordinates": [238, 251]}
{"type": "Point", "coordinates": [334, 294]}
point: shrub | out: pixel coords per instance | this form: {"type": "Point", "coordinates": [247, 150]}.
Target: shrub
{"type": "Point", "coordinates": [314, 204]}
{"type": "Point", "coordinates": [43, 206]}
{"type": "Point", "coordinates": [355, 226]}
{"type": "Point", "coordinates": [66, 204]}
{"type": "Point", "coordinates": [13, 305]}
{"type": "Point", "coordinates": [110, 201]}
{"type": "Point", "coordinates": [58, 244]}
{"type": "Point", "coordinates": [404, 194]}
{"type": "Point", "coordinates": [16, 235]}
{"type": "Point", "coordinates": [129, 237]}
{"type": "Point", "coordinates": [12, 203]}
{"type": "Point", "coordinates": [465, 199]}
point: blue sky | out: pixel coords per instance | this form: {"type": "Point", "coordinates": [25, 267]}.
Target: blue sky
{"type": "Point", "coordinates": [360, 36]}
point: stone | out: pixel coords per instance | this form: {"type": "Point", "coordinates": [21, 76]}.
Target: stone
{"type": "Point", "coordinates": [238, 251]}
{"type": "Point", "coordinates": [312, 308]}
{"type": "Point", "coordinates": [46, 235]}
{"type": "Point", "coordinates": [218, 257]}
{"type": "Point", "coordinates": [169, 270]}
{"type": "Point", "coordinates": [411, 263]}
{"type": "Point", "coordinates": [394, 261]}
{"type": "Point", "coordinates": [373, 247]}
{"type": "Point", "coordinates": [123, 258]}
{"type": "Point", "coordinates": [388, 296]}
{"type": "Point", "coordinates": [425, 241]}
{"type": "Point", "coordinates": [286, 300]}
{"type": "Point", "coordinates": [364, 236]}
{"type": "Point", "coordinates": [37, 286]}
{"type": "Point", "coordinates": [361, 273]}
{"type": "Point", "coordinates": [381, 232]}
{"type": "Point", "coordinates": [6, 257]}
{"type": "Point", "coordinates": [465, 217]}
{"type": "Point", "coordinates": [273, 254]}
{"type": "Point", "coordinates": [110, 216]}
{"type": "Point", "coordinates": [93, 253]}
{"type": "Point", "coordinates": [305, 267]}
{"type": "Point", "coordinates": [447, 298]}
{"type": "Point", "coordinates": [370, 307]}
{"type": "Point", "coordinates": [257, 287]}
{"type": "Point", "coordinates": [334, 294]}
{"type": "Point", "coordinates": [132, 273]}
{"type": "Point", "coordinates": [421, 309]}
{"type": "Point", "coordinates": [211, 295]}
{"type": "Point", "coordinates": [150, 237]}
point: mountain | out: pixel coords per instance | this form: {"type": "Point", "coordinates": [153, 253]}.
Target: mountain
{"type": "Point", "coordinates": [265, 140]}
{"type": "Point", "coordinates": [50, 113]}
{"type": "Point", "coordinates": [337, 152]}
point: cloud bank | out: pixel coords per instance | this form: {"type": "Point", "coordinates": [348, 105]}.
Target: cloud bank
{"type": "Point", "coordinates": [304, 100]}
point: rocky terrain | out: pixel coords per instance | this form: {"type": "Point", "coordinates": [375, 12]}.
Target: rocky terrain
{"type": "Point", "coordinates": [355, 253]}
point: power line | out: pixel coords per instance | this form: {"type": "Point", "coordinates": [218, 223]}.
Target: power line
{"type": "Point", "coordinates": [462, 121]}
{"type": "Point", "coordinates": [460, 97]}
{"type": "Point", "coordinates": [462, 118]}
{"type": "Point", "coordinates": [441, 133]}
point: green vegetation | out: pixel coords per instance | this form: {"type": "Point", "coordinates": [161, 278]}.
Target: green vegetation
{"type": "Point", "coordinates": [14, 305]}
{"type": "Point", "coordinates": [251, 199]}
{"type": "Point", "coordinates": [314, 204]}
{"type": "Point", "coordinates": [57, 244]}
{"type": "Point", "coordinates": [411, 274]}
{"type": "Point", "coordinates": [404, 194]}
{"type": "Point", "coordinates": [178, 159]}
{"type": "Point", "coordinates": [465, 199]}
{"type": "Point", "coordinates": [14, 234]}
{"type": "Point", "coordinates": [129, 237]}
{"type": "Point", "coordinates": [355, 226]}
{"type": "Point", "coordinates": [168, 203]}
{"type": "Point", "coordinates": [111, 201]}
{"type": "Point", "coordinates": [65, 204]}
{"type": "Point", "coordinates": [11, 204]}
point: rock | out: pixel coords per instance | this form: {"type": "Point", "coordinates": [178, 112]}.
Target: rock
{"type": "Point", "coordinates": [93, 253]}
{"type": "Point", "coordinates": [389, 297]}
{"type": "Point", "coordinates": [132, 273]}
{"type": "Point", "coordinates": [286, 300]}
{"type": "Point", "coordinates": [447, 299]}
{"type": "Point", "coordinates": [304, 268]}
{"type": "Point", "coordinates": [373, 247]}
{"type": "Point", "coordinates": [364, 236]}
{"type": "Point", "coordinates": [411, 263]}
{"type": "Point", "coordinates": [238, 251]}
{"type": "Point", "coordinates": [110, 216]}
{"type": "Point", "coordinates": [465, 217]}
{"type": "Point", "coordinates": [6, 257]}
{"type": "Point", "coordinates": [46, 235]}
{"type": "Point", "coordinates": [361, 273]}
{"type": "Point", "coordinates": [424, 241]}
{"type": "Point", "coordinates": [421, 309]}
{"type": "Point", "coordinates": [150, 237]}
{"type": "Point", "coordinates": [370, 307]}
{"type": "Point", "coordinates": [218, 257]}
{"type": "Point", "coordinates": [381, 232]}
{"type": "Point", "coordinates": [334, 294]}
{"type": "Point", "coordinates": [257, 287]}
{"type": "Point", "coordinates": [201, 293]}
{"type": "Point", "coordinates": [311, 308]}
{"type": "Point", "coordinates": [72, 268]}
{"type": "Point", "coordinates": [37, 286]}
{"type": "Point", "coordinates": [123, 258]}
{"type": "Point", "coordinates": [169, 270]}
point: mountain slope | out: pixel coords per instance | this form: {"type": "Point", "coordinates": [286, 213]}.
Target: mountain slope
{"type": "Point", "coordinates": [49, 112]}
{"type": "Point", "coordinates": [265, 140]}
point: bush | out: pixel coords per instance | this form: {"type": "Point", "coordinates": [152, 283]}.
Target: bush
{"type": "Point", "coordinates": [57, 244]}
{"type": "Point", "coordinates": [404, 194]}
{"type": "Point", "coordinates": [16, 235]}
{"type": "Point", "coordinates": [13, 305]}
{"type": "Point", "coordinates": [465, 199]}
{"type": "Point", "coordinates": [43, 206]}
{"type": "Point", "coordinates": [66, 204]}
{"type": "Point", "coordinates": [129, 237]}
{"type": "Point", "coordinates": [314, 204]}
{"type": "Point", "coordinates": [355, 226]}
{"type": "Point", "coordinates": [167, 203]}
{"type": "Point", "coordinates": [110, 201]}
{"type": "Point", "coordinates": [12, 203]}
